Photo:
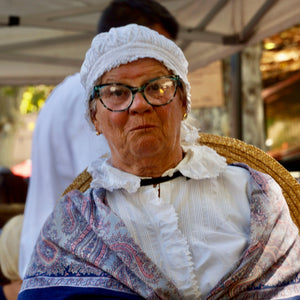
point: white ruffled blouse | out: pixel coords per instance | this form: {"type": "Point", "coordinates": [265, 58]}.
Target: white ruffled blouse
{"type": "Point", "coordinates": [193, 229]}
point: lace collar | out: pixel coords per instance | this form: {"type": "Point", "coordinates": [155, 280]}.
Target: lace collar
{"type": "Point", "coordinates": [200, 162]}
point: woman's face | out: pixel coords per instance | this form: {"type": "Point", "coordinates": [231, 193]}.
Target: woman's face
{"type": "Point", "coordinates": [143, 132]}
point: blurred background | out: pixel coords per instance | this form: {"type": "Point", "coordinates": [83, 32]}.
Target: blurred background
{"type": "Point", "coordinates": [244, 61]}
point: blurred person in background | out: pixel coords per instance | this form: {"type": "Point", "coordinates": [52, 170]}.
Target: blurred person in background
{"type": "Point", "coordinates": [9, 257]}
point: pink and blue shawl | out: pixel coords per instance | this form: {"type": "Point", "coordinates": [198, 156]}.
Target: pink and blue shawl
{"type": "Point", "coordinates": [86, 252]}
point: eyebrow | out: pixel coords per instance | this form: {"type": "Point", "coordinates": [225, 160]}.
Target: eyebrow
{"type": "Point", "coordinates": [120, 81]}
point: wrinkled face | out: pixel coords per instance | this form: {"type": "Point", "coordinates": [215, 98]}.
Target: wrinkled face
{"type": "Point", "coordinates": [143, 130]}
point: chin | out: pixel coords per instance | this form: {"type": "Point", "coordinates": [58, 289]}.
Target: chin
{"type": "Point", "coordinates": [147, 146]}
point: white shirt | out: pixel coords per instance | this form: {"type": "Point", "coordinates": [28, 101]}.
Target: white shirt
{"type": "Point", "coordinates": [63, 146]}
{"type": "Point", "coordinates": [197, 229]}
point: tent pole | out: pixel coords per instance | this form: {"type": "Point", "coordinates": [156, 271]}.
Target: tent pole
{"type": "Point", "coordinates": [235, 113]}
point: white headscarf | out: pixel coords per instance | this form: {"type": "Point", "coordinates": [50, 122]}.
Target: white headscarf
{"type": "Point", "coordinates": [125, 44]}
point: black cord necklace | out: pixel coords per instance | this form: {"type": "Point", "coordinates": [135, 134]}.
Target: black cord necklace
{"type": "Point", "coordinates": [157, 180]}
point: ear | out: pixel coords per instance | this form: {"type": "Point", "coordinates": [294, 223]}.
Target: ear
{"type": "Point", "coordinates": [96, 123]}
{"type": "Point", "coordinates": [184, 111]}
{"type": "Point", "coordinates": [97, 126]}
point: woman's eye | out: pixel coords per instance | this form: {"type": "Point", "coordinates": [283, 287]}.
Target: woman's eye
{"type": "Point", "coordinates": [118, 93]}
{"type": "Point", "coordinates": [155, 87]}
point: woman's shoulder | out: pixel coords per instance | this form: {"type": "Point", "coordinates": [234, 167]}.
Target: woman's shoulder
{"type": "Point", "coordinates": [80, 200]}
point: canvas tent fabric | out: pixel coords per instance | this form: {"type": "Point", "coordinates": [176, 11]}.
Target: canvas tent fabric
{"type": "Point", "coordinates": [44, 41]}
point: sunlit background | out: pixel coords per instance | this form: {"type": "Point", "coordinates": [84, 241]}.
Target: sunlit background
{"type": "Point", "coordinates": [280, 71]}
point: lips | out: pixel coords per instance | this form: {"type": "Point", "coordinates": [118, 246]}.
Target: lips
{"type": "Point", "coordinates": [143, 127]}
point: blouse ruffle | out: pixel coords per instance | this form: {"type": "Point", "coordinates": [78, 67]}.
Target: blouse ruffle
{"type": "Point", "coordinates": [160, 218]}
{"type": "Point", "coordinates": [174, 257]}
{"type": "Point", "coordinates": [200, 162]}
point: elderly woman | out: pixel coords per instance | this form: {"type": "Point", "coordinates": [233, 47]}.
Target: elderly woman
{"type": "Point", "coordinates": [164, 218]}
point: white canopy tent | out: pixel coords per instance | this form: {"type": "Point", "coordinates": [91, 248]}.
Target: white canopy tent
{"type": "Point", "coordinates": [44, 41]}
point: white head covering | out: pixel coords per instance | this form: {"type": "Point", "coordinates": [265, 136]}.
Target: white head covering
{"type": "Point", "coordinates": [125, 44]}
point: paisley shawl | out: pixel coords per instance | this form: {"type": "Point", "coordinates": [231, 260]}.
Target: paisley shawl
{"type": "Point", "coordinates": [85, 252]}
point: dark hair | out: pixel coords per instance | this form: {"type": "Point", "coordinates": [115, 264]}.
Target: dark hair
{"type": "Point", "coordinates": [142, 12]}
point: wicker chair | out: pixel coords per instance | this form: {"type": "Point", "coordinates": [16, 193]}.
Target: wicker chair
{"type": "Point", "coordinates": [235, 151]}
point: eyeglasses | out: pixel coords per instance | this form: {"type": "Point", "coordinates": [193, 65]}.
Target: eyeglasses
{"type": "Point", "coordinates": [119, 97]}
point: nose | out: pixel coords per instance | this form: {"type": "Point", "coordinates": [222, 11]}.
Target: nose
{"type": "Point", "coordinates": [139, 104]}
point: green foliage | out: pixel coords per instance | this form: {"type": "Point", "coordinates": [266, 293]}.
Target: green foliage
{"type": "Point", "coordinates": [9, 91]}
{"type": "Point", "coordinates": [34, 98]}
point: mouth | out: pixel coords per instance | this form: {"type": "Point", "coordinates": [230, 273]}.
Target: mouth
{"type": "Point", "coordinates": [142, 127]}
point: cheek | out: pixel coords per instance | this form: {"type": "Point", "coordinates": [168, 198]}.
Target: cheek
{"type": "Point", "coordinates": [174, 113]}
{"type": "Point", "coordinates": [111, 122]}
{"type": "Point", "coordinates": [171, 121]}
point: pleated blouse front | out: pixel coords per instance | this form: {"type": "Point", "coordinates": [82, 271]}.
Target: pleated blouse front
{"type": "Point", "coordinates": [194, 227]}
